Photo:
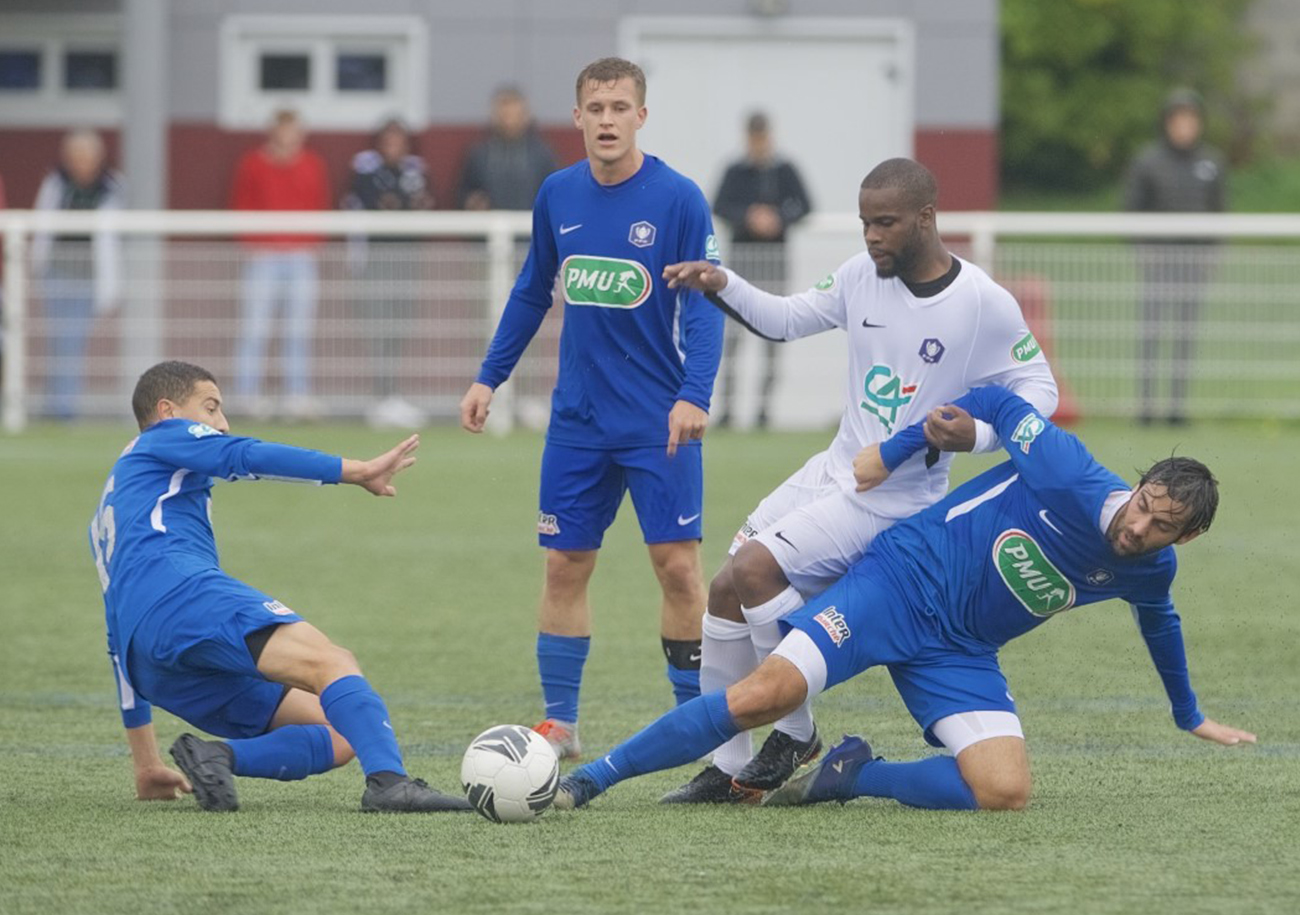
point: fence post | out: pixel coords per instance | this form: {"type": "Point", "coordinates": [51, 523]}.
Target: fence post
{"type": "Point", "coordinates": [983, 244]}
{"type": "Point", "coordinates": [500, 249]}
{"type": "Point", "coordinates": [14, 407]}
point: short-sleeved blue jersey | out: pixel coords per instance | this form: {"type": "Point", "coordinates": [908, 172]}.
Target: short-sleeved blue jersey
{"type": "Point", "coordinates": [631, 347]}
{"type": "Point", "coordinates": [1022, 542]}
{"type": "Point", "coordinates": [153, 529]}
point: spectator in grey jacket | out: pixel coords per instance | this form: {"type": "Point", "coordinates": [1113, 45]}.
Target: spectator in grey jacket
{"type": "Point", "coordinates": [78, 275]}
{"type": "Point", "coordinates": [1176, 174]}
{"type": "Point", "coordinates": [761, 196]}
{"type": "Point", "coordinates": [504, 171]}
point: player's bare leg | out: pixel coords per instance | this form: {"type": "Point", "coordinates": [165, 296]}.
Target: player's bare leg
{"type": "Point", "coordinates": [564, 632]}
{"type": "Point", "coordinates": [766, 595]}
{"type": "Point", "coordinates": [726, 657]}
{"type": "Point", "coordinates": [301, 656]}
{"type": "Point", "coordinates": [997, 771]}
{"type": "Point", "coordinates": [302, 707]}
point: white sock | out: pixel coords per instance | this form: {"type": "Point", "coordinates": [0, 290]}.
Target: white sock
{"type": "Point", "coordinates": [727, 657]}
{"type": "Point", "coordinates": [764, 629]}
{"type": "Point", "coordinates": [766, 633]}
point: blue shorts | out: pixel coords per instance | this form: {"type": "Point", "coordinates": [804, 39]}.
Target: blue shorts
{"type": "Point", "coordinates": [582, 489]}
{"type": "Point", "coordinates": [866, 619]}
{"type": "Point", "coordinates": [188, 655]}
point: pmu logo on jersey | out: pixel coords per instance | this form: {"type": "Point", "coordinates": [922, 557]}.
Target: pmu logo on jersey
{"type": "Point", "coordinates": [606, 282]}
{"type": "Point", "coordinates": [835, 625]}
{"type": "Point", "coordinates": [886, 393]}
{"type": "Point", "coordinates": [1029, 429]}
{"type": "Point", "coordinates": [642, 234]}
{"type": "Point", "coordinates": [932, 350]}
{"type": "Point", "coordinates": [1037, 584]}
{"type": "Point", "coordinates": [1026, 348]}
{"type": "Point", "coordinates": [547, 524]}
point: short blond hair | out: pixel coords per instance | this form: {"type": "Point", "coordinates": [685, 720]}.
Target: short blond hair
{"type": "Point", "coordinates": [611, 70]}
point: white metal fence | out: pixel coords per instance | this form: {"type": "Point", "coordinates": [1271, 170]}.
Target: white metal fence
{"type": "Point", "coordinates": [399, 307]}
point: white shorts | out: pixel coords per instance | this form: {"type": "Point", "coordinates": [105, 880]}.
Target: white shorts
{"type": "Point", "coordinates": [813, 528]}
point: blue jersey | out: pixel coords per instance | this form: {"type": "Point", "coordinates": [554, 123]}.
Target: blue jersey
{"type": "Point", "coordinates": [1022, 542]}
{"type": "Point", "coordinates": [153, 530]}
{"type": "Point", "coordinates": [631, 347]}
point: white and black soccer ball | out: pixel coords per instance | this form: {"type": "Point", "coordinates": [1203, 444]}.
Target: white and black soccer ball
{"type": "Point", "coordinates": [510, 774]}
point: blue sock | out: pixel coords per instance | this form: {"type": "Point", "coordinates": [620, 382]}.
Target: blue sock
{"type": "Point", "coordinates": [356, 711]}
{"type": "Point", "coordinates": [686, 683]}
{"type": "Point", "coordinates": [559, 660]}
{"type": "Point", "coordinates": [678, 737]}
{"type": "Point", "coordinates": [934, 783]}
{"type": "Point", "coordinates": [287, 753]}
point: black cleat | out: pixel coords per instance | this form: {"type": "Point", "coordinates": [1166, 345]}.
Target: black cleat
{"type": "Point", "coordinates": [711, 786]}
{"type": "Point", "coordinates": [780, 756]}
{"type": "Point", "coordinates": [209, 765]}
{"type": "Point", "coordinates": [403, 794]}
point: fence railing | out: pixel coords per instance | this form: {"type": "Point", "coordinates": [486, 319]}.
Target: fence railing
{"type": "Point", "coordinates": [388, 309]}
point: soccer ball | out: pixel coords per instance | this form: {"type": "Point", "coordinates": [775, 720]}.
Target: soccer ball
{"type": "Point", "coordinates": [510, 774]}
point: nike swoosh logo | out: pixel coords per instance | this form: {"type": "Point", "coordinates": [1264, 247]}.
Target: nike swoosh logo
{"type": "Point", "coordinates": [780, 535]}
{"type": "Point", "coordinates": [609, 762]}
{"type": "Point", "coordinates": [565, 230]}
{"type": "Point", "coordinates": [866, 322]}
{"type": "Point", "coordinates": [695, 656]}
{"type": "Point", "coordinates": [682, 522]}
{"type": "Point", "coordinates": [387, 725]}
{"type": "Point", "coordinates": [1043, 514]}
{"type": "Point", "coordinates": [838, 766]}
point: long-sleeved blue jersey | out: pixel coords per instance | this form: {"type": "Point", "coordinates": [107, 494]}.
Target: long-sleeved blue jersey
{"type": "Point", "coordinates": [631, 347]}
{"type": "Point", "coordinates": [1023, 542]}
{"type": "Point", "coordinates": [153, 527]}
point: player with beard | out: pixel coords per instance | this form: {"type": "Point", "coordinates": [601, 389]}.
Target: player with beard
{"type": "Point", "coordinates": [923, 326]}
{"type": "Point", "coordinates": [934, 600]}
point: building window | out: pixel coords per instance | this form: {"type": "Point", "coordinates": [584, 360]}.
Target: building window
{"type": "Point", "coordinates": [337, 72]}
{"type": "Point", "coordinates": [60, 69]}
{"type": "Point", "coordinates": [285, 72]}
{"type": "Point", "coordinates": [20, 70]}
{"type": "Point", "coordinates": [90, 70]}
{"type": "Point", "coordinates": [361, 72]}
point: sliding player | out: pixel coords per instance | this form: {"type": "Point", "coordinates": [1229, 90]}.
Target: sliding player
{"type": "Point", "coordinates": [221, 655]}
{"type": "Point", "coordinates": [923, 326]}
{"type": "Point", "coordinates": [934, 599]}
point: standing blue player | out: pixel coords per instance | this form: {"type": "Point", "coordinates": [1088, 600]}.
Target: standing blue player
{"type": "Point", "coordinates": [228, 659]}
{"type": "Point", "coordinates": [637, 363]}
{"type": "Point", "coordinates": [938, 594]}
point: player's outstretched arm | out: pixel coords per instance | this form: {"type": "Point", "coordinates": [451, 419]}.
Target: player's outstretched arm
{"type": "Point", "coordinates": [154, 781]}
{"type": "Point", "coordinates": [1221, 733]}
{"type": "Point", "coordinates": [376, 475]}
{"type": "Point", "coordinates": [702, 276]}
{"type": "Point", "coordinates": [475, 407]}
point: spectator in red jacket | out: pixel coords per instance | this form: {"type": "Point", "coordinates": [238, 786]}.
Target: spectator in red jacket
{"type": "Point", "coordinates": [280, 268]}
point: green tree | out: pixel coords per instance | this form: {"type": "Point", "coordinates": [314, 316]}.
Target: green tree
{"type": "Point", "coordinates": [1083, 81]}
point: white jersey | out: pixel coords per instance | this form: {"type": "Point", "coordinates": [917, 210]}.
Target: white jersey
{"type": "Point", "coordinates": [907, 355]}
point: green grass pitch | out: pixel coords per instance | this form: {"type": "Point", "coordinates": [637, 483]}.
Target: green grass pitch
{"type": "Point", "coordinates": [435, 592]}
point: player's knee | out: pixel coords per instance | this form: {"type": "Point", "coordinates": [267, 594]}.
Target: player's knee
{"type": "Point", "coordinates": [566, 571]}
{"type": "Point", "coordinates": [1002, 791]}
{"type": "Point", "coordinates": [330, 664]}
{"type": "Point", "coordinates": [755, 574]}
{"type": "Point", "coordinates": [723, 602]}
{"type": "Point", "coordinates": [679, 575]}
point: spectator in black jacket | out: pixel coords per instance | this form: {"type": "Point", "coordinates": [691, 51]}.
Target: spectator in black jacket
{"type": "Point", "coordinates": [504, 171]}
{"type": "Point", "coordinates": [761, 196]}
{"type": "Point", "coordinates": [389, 177]}
{"type": "Point", "coordinates": [1178, 173]}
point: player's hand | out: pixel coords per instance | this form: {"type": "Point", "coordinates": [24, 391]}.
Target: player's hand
{"type": "Point", "coordinates": [869, 469]}
{"type": "Point", "coordinates": [686, 422]}
{"type": "Point", "coordinates": [704, 276]}
{"type": "Point", "coordinates": [159, 783]}
{"type": "Point", "coordinates": [950, 428]}
{"type": "Point", "coordinates": [376, 475]}
{"type": "Point", "coordinates": [474, 407]}
{"type": "Point", "coordinates": [1221, 733]}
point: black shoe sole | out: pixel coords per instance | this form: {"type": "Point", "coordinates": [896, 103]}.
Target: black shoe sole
{"type": "Point", "coordinates": [214, 791]}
